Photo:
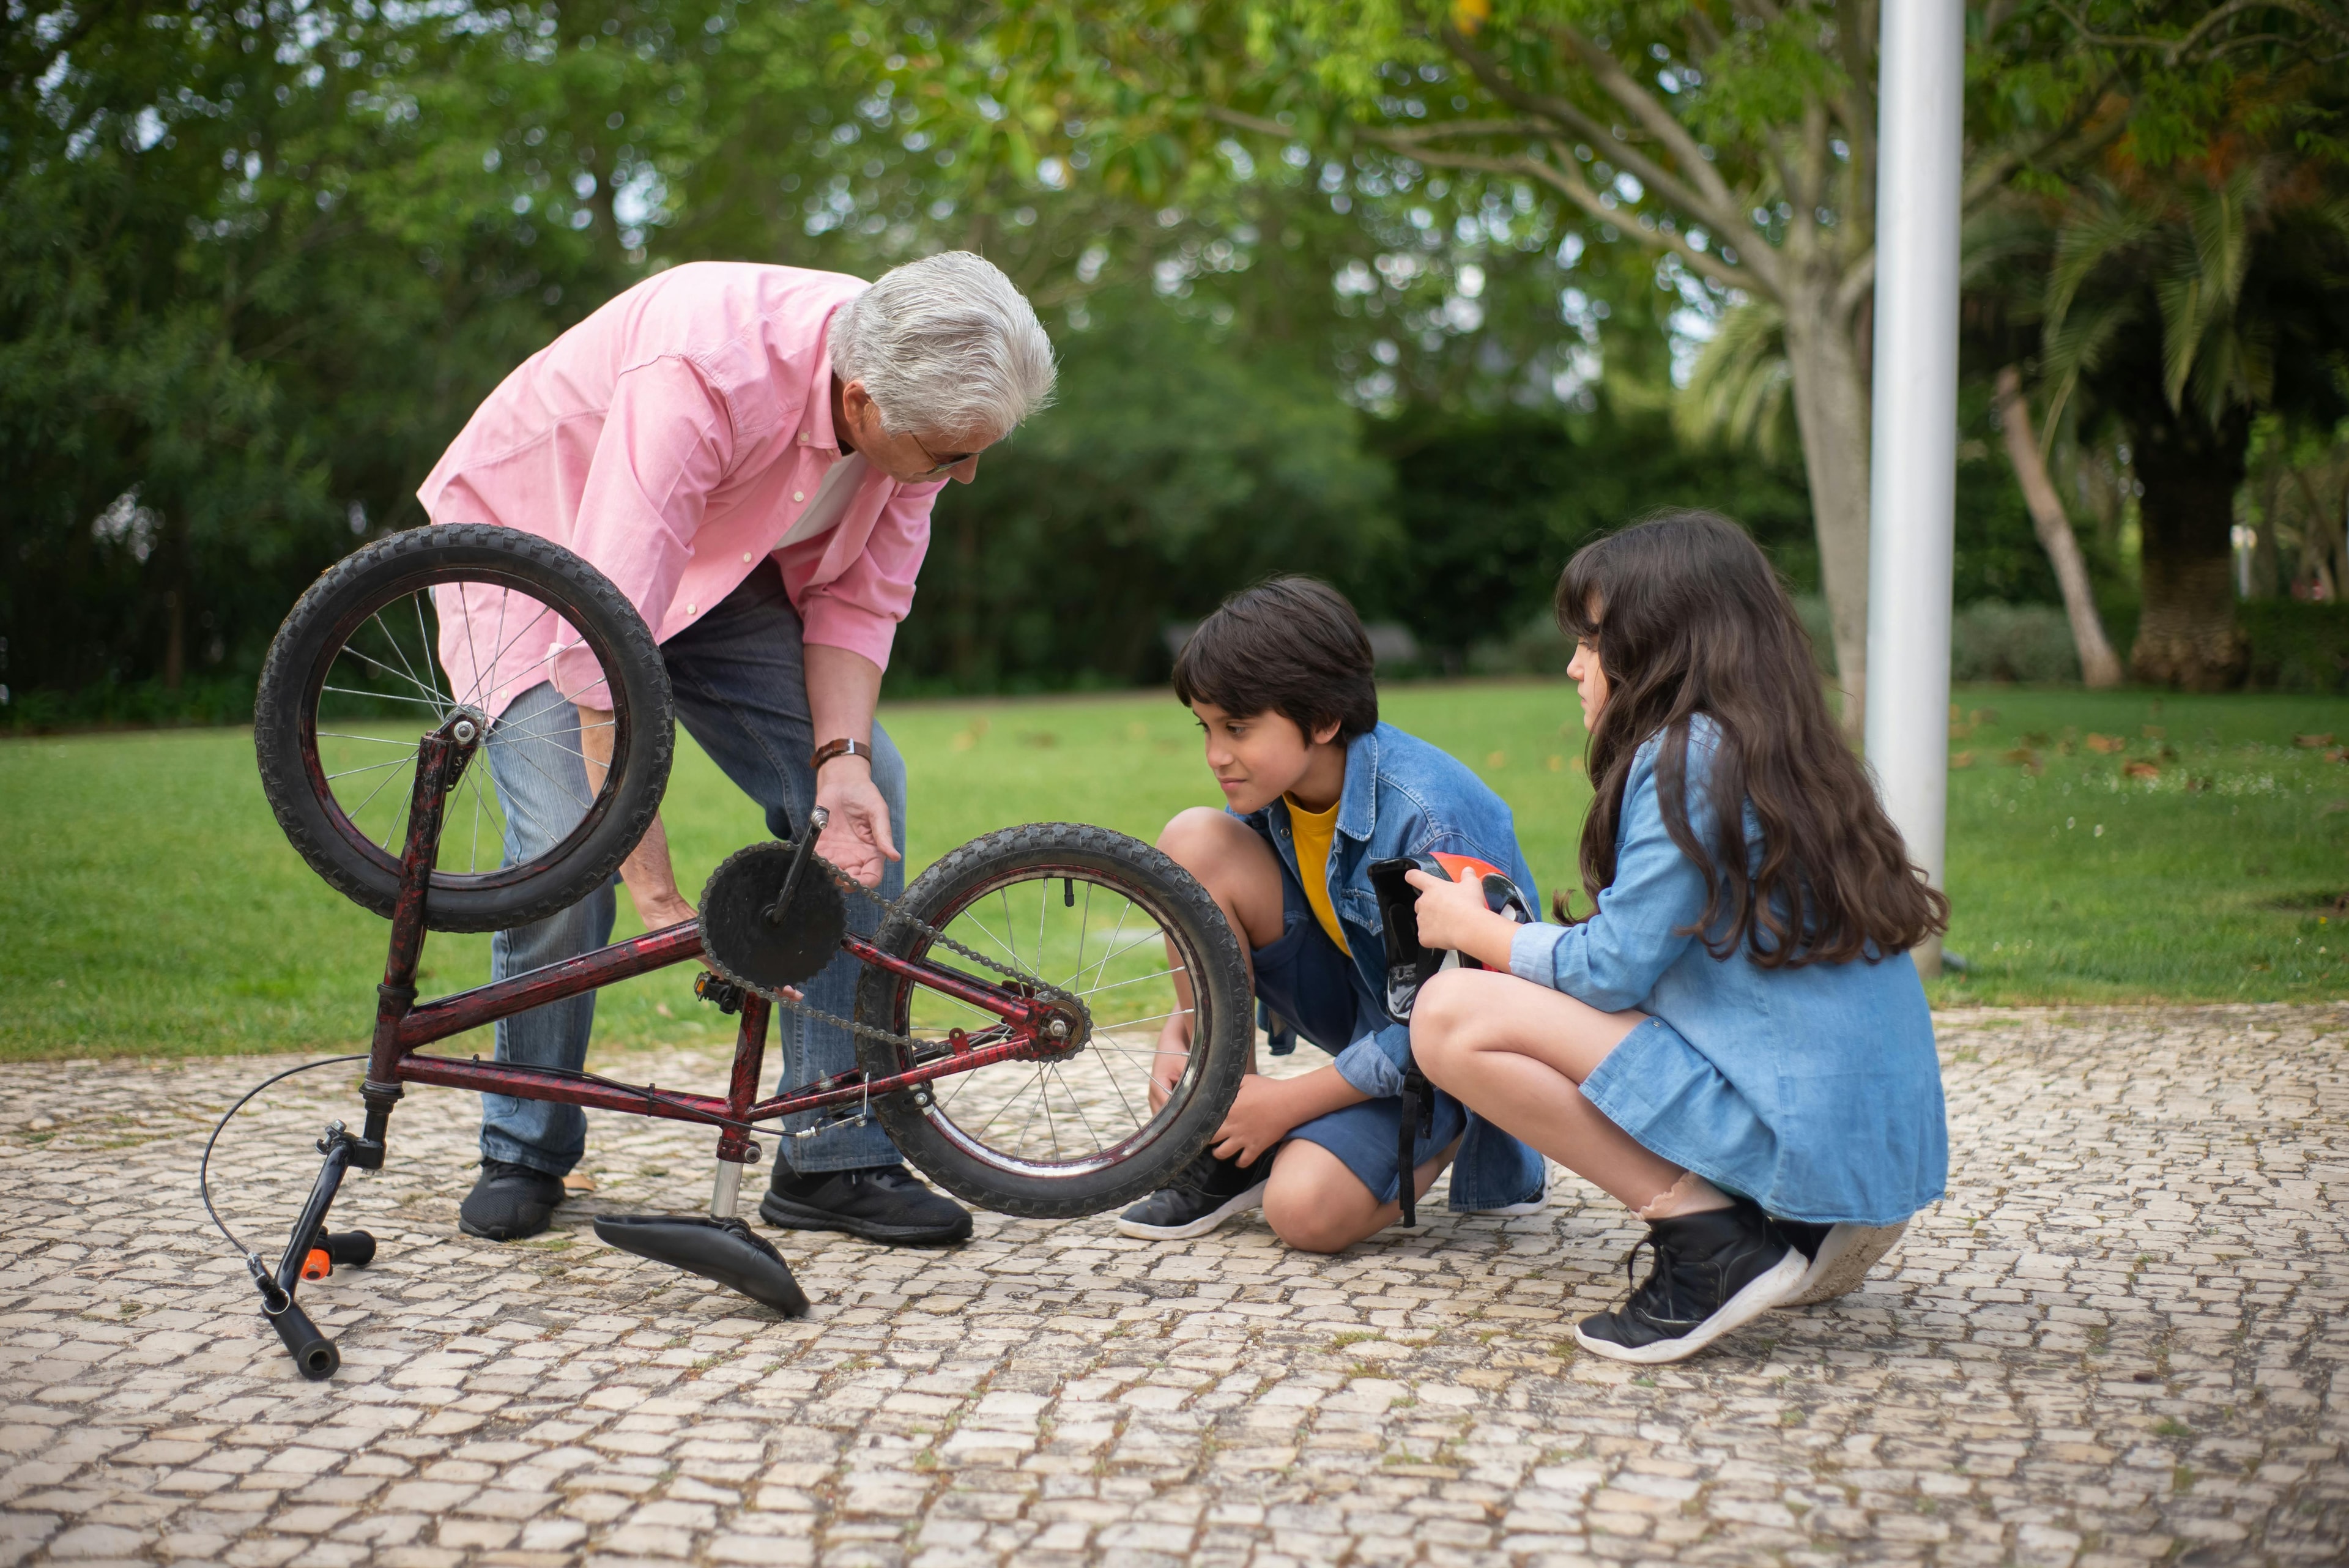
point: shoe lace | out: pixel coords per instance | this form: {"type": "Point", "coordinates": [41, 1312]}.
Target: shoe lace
{"type": "Point", "coordinates": [1654, 1297]}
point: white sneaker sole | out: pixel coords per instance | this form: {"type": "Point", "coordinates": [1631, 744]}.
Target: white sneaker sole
{"type": "Point", "coordinates": [1532, 1206]}
{"type": "Point", "coordinates": [1845, 1258]}
{"type": "Point", "coordinates": [1205, 1222]}
{"type": "Point", "coordinates": [1761, 1294]}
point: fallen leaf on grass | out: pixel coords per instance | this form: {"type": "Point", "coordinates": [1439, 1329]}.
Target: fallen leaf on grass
{"type": "Point", "coordinates": [2313, 742]}
{"type": "Point", "coordinates": [1961, 760]}
{"type": "Point", "coordinates": [2338, 755]}
{"type": "Point", "coordinates": [2107, 744]}
{"type": "Point", "coordinates": [578, 1181]}
{"type": "Point", "coordinates": [1041, 740]}
{"type": "Point", "coordinates": [2023, 757]}
{"type": "Point", "coordinates": [2142, 770]}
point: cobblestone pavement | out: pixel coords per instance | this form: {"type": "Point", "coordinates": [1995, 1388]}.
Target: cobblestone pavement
{"type": "Point", "coordinates": [2118, 1341]}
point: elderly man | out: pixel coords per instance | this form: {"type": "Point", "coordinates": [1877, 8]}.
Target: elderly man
{"type": "Point", "coordinates": [751, 454]}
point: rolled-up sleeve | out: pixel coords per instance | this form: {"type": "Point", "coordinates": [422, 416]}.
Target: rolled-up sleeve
{"type": "Point", "coordinates": [1613, 960]}
{"type": "Point", "coordinates": [859, 610]}
{"type": "Point", "coordinates": [1374, 1063]}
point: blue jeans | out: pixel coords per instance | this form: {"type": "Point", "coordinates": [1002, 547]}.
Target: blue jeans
{"type": "Point", "coordinates": [739, 677]}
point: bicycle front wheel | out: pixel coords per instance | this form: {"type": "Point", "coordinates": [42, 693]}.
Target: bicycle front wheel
{"type": "Point", "coordinates": [414, 630]}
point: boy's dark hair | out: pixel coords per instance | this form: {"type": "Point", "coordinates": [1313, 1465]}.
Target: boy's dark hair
{"type": "Point", "coordinates": [1291, 646]}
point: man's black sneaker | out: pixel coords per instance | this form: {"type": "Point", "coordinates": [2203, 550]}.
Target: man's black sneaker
{"type": "Point", "coordinates": [1207, 1192]}
{"type": "Point", "coordinates": [880, 1203]}
{"type": "Point", "coordinates": [1712, 1272]}
{"type": "Point", "coordinates": [1837, 1258]}
{"type": "Point", "coordinates": [509, 1202]}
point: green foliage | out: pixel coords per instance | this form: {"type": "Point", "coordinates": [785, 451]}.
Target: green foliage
{"type": "Point", "coordinates": [1170, 469]}
{"type": "Point", "coordinates": [2029, 643]}
{"type": "Point", "coordinates": [260, 260]}
{"type": "Point", "coordinates": [1492, 506]}
{"type": "Point", "coordinates": [2297, 647]}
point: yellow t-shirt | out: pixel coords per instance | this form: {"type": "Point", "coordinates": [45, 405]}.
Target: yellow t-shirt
{"type": "Point", "coordinates": [1314, 830]}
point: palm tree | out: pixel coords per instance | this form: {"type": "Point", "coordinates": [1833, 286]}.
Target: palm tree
{"type": "Point", "coordinates": [2181, 304]}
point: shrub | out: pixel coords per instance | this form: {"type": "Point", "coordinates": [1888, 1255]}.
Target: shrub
{"type": "Point", "coordinates": [2297, 647]}
{"type": "Point", "coordinates": [1994, 641]}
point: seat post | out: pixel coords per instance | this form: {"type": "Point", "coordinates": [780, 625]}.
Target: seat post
{"type": "Point", "coordinates": [735, 1149]}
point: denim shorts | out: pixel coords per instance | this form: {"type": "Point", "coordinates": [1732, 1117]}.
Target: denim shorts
{"type": "Point", "coordinates": [1313, 986]}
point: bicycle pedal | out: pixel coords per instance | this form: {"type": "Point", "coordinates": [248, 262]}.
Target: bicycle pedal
{"type": "Point", "coordinates": [719, 993]}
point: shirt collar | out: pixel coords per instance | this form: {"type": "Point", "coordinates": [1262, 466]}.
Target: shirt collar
{"type": "Point", "coordinates": [1357, 802]}
{"type": "Point", "coordinates": [815, 419]}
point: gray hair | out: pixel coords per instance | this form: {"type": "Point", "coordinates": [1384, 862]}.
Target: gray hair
{"type": "Point", "coordinates": [946, 346]}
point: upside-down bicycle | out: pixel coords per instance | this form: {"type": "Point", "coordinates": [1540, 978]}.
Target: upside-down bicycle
{"type": "Point", "coordinates": [1010, 1003]}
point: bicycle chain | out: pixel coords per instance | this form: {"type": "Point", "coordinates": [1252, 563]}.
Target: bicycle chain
{"type": "Point", "coordinates": [895, 908]}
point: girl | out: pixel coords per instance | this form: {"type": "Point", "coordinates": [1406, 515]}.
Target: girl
{"type": "Point", "coordinates": [1737, 1032]}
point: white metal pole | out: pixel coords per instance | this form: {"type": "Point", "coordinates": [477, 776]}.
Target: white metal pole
{"type": "Point", "coordinates": [1912, 473]}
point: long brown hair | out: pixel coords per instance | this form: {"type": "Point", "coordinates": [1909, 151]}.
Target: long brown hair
{"type": "Point", "coordinates": [1688, 618]}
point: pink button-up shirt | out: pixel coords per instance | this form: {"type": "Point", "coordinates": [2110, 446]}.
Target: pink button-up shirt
{"type": "Point", "coordinates": [672, 438]}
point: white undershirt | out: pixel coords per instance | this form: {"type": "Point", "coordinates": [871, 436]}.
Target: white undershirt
{"type": "Point", "coordinates": [831, 497]}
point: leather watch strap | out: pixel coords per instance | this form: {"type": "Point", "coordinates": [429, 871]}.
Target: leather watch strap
{"type": "Point", "coordinates": [843, 748]}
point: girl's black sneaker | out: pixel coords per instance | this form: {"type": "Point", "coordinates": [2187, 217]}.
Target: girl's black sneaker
{"type": "Point", "coordinates": [1713, 1271]}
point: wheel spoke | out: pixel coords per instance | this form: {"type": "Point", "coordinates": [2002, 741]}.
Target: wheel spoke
{"type": "Point", "coordinates": [382, 696]}
{"type": "Point", "coordinates": [353, 816]}
{"type": "Point", "coordinates": [371, 767]}
{"type": "Point", "coordinates": [387, 670]}
{"type": "Point", "coordinates": [424, 635]}
{"type": "Point", "coordinates": [401, 654]}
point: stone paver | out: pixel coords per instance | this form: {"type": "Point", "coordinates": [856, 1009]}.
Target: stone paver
{"type": "Point", "coordinates": [2117, 1342]}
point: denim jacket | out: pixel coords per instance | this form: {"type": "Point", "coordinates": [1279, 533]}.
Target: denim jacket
{"type": "Point", "coordinates": [1403, 797]}
{"type": "Point", "coordinates": [1815, 1091]}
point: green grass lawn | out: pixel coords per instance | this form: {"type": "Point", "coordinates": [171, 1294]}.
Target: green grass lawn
{"type": "Point", "coordinates": [148, 905]}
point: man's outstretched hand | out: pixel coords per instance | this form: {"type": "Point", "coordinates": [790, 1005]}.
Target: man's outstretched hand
{"type": "Point", "coordinates": [857, 837]}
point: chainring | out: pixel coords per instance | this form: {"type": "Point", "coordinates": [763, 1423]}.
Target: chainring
{"type": "Point", "coordinates": [739, 941]}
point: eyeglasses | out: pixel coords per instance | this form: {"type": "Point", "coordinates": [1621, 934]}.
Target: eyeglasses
{"type": "Point", "coordinates": [937, 464]}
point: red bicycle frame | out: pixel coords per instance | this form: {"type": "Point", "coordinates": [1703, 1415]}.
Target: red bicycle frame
{"type": "Point", "coordinates": [403, 1025]}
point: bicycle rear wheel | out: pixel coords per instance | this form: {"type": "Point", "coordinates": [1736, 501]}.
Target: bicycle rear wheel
{"type": "Point", "coordinates": [1113, 923]}
{"type": "Point", "coordinates": [416, 628]}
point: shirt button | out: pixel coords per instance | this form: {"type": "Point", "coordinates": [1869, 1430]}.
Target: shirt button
{"type": "Point", "coordinates": [803, 439]}
{"type": "Point", "coordinates": [746, 555]}
{"type": "Point", "coordinates": [799, 495]}
{"type": "Point", "coordinates": [690, 610]}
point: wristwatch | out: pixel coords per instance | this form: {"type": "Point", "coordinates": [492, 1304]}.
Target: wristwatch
{"type": "Point", "coordinates": [832, 749]}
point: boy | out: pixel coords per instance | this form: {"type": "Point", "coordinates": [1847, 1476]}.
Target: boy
{"type": "Point", "coordinates": [1316, 790]}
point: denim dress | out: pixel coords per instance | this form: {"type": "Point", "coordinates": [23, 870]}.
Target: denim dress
{"type": "Point", "coordinates": [1813, 1091]}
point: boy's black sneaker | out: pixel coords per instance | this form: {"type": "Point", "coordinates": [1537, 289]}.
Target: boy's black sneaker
{"type": "Point", "coordinates": [1836, 1257]}
{"type": "Point", "coordinates": [1209, 1192]}
{"type": "Point", "coordinates": [509, 1202]}
{"type": "Point", "coordinates": [882, 1203]}
{"type": "Point", "coordinates": [1713, 1272]}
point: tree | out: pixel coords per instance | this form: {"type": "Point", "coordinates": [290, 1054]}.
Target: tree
{"type": "Point", "coordinates": [2099, 665]}
{"type": "Point", "coordinates": [1731, 140]}
{"type": "Point", "coordinates": [2182, 303]}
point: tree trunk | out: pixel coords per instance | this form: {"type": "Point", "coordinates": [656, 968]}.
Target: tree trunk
{"type": "Point", "coordinates": [2185, 633]}
{"type": "Point", "coordinates": [2099, 665]}
{"type": "Point", "coordinates": [1831, 412]}
{"type": "Point", "coordinates": [175, 639]}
